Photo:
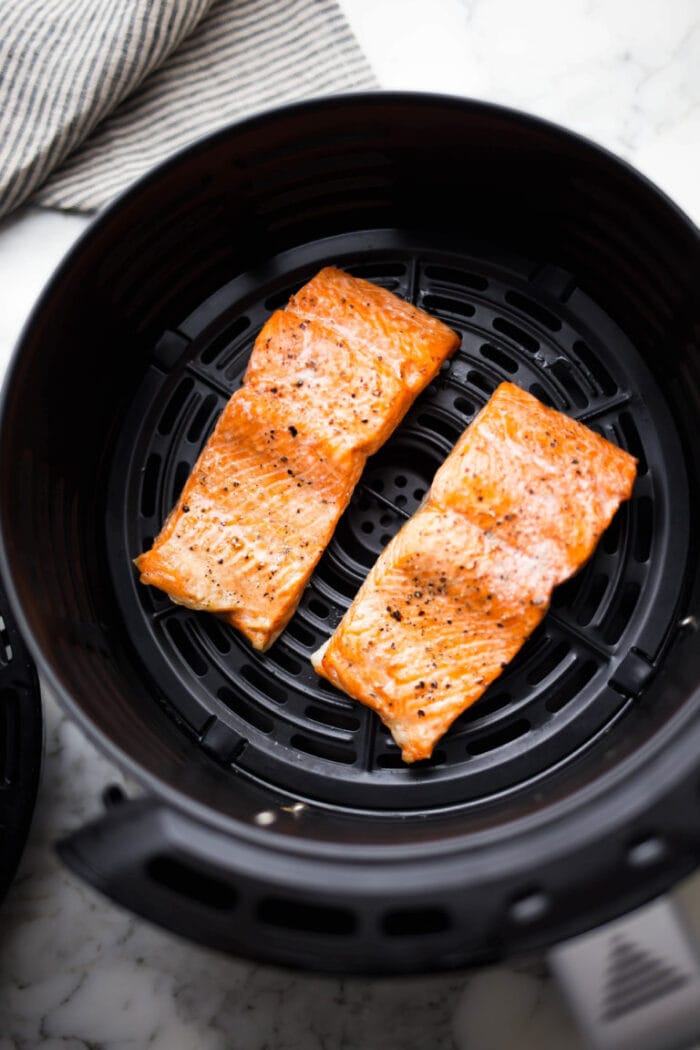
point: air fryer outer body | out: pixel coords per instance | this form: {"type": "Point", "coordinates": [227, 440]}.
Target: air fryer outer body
{"type": "Point", "coordinates": [261, 832]}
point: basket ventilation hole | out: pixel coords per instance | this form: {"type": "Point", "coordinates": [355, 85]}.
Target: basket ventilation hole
{"type": "Point", "coordinates": [441, 304]}
{"type": "Point", "coordinates": [459, 277]}
{"type": "Point", "coordinates": [612, 535]}
{"type": "Point", "coordinates": [633, 441]}
{"type": "Point", "coordinates": [318, 608]}
{"type": "Point", "coordinates": [466, 408]}
{"type": "Point", "coordinates": [487, 706]}
{"type": "Point", "coordinates": [186, 647]}
{"type": "Point", "coordinates": [202, 417]}
{"type": "Point", "coordinates": [215, 633]}
{"type": "Point", "coordinates": [517, 334]}
{"type": "Point", "coordinates": [592, 599]}
{"type": "Point", "coordinates": [438, 426]}
{"type": "Point", "coordinates": [538, 391]}
{"type": "Point", "coordinates": [212, 351]}
{"type": "Point", "coordinates": [182, 472]}
{"type": "Point", "coordinates": [534, 310]}
{"type": "Point", "coordinates": [551, 659]}
{"type": "Point", "coordinates": [186, 881]}
{"type": "Point", "coordinates": [562, 370]}
{"type": "Point", "coordinates": [175, 406]}
{"type": "Point", "coordinates": [301, 634]}
{"type": "Point", "coordinates": [622, 613]}
{"type": "Point", "coordinates": [592, 363]}
{"type": "Point", "coordinates": [499, 357]}
{"type": "Point", "coordinates": [500, 739]}
{"type": "Point", "coordinates": [307, 918]}
{"type": "Point", "coordinates": [415, 922]}
{"type": "Point", "coordinates": [324, 749]}
{"type": "Point", "coordinates": [248, 712]}
{"type": "Point", "coordinates": [269, 690]}
{"type": "Point", "coordinates": [288, 662]}
{"type": "Point", "coordinates": [644, 512]}
{"type": "Point", "coordinates": [367, 527]}
{"type": "Point", "coordinates": [570, 686]}
{"type": "Point", "coordinates": [482, 382]}
{"type": "Point", "coordinates": [333, 718]}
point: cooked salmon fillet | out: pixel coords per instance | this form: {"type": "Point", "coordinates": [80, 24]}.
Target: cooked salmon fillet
{"type": "Point", "coordinates": [517, 508]}
{"type": "Point", "coordinates": [328, 380]}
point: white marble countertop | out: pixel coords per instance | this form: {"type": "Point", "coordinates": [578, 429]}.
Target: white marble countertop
{"type": "Point", "coordinates": [76, 972]}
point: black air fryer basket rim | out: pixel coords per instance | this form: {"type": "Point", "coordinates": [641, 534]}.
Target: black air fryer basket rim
{"type": "Point", "coordinates": [623, 797]}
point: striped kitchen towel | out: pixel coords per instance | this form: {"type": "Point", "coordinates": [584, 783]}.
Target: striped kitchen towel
{"type": "Point", "coordinates": [95, 92]}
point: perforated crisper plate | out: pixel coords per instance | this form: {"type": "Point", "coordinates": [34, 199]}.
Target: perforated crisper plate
{"type": "Point", "coordinates": [269, 715]}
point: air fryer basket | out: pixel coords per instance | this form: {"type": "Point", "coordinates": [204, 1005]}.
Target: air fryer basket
{"type": "Point", "coordinates": [279, 821]}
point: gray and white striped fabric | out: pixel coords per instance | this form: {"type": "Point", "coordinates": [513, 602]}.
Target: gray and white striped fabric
{"type": "Point", "coordinates": [93, 94]}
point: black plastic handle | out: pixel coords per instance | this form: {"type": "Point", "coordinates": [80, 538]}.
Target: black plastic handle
{"type": "Point", "coordinates": [161, 865]}
{"type": "Point", "coordinates": [198, 882]}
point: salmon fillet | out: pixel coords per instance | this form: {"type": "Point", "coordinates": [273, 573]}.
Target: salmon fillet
{"type": "Point", "coordinates": [328, 380]}
{"type": "Point", "coordinates": [517, 508]}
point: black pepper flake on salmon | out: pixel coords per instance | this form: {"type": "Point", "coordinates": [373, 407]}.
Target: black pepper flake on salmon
{"type": "Point", "coordinates": [507, 518]}
{"type": "Point", "coordinates": [296, 436]}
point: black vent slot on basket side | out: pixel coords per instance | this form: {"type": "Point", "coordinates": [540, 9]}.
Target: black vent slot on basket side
{"type": "Point", "coordinates": [415, 922]}
{"type": "Point", "coordinates": [564, 373]}
{"type": "Point", "coordinates": [324, 749]}
{"type": "Point", "coordinates": [460, 277]}
{"type": "Point", "coordinates": [222, 341]}
{"type": "Point", "coordinates": [534, 310]}
{"type": "Point", "coordinates": [538, 391]}
{"type": "Point", "coordinates": [621, 613]}
{"type": "Point", "coordinates": [186, 881]}
{"type": "Point", "coordinates": [517, 334]}
{"type": "Point", "coordinates": [643, 511]}
{"type": "Point", "coordinates": [263, 683]}
{"type": "Point", "coordinates": [607, 384]}
{"type": "Point", "coordinates": [306, 918]}
{"type": "Point", "coordinates": [216, 633]}
{"type": "Point", "coordinates": [182, 473]}
{"type": "Point", "coordinates": [500, 738]}
{"type": "Point", "coordinates": [551, 659]}
{"type": "Point", "coordinates": [633, 441]}
{"type": "Point", "coordinates": [336, 719]}
{"type": "Point", "coordinates": [182, 641]}
{"type": "Point", "coordinates": [203, 415]}
{"type": "Point", "coordinates": [591, 598]}
{"type": "Point", "coordinates": [247, 711]}
{"type": "Point", "coordinates": [499, 357]}
{"type": "Point", "coordinates": [570, 686]}
{"type": "Point", "coordinates": [438, 304]}
{"type": "Point", "coordinates": [175, 406]}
